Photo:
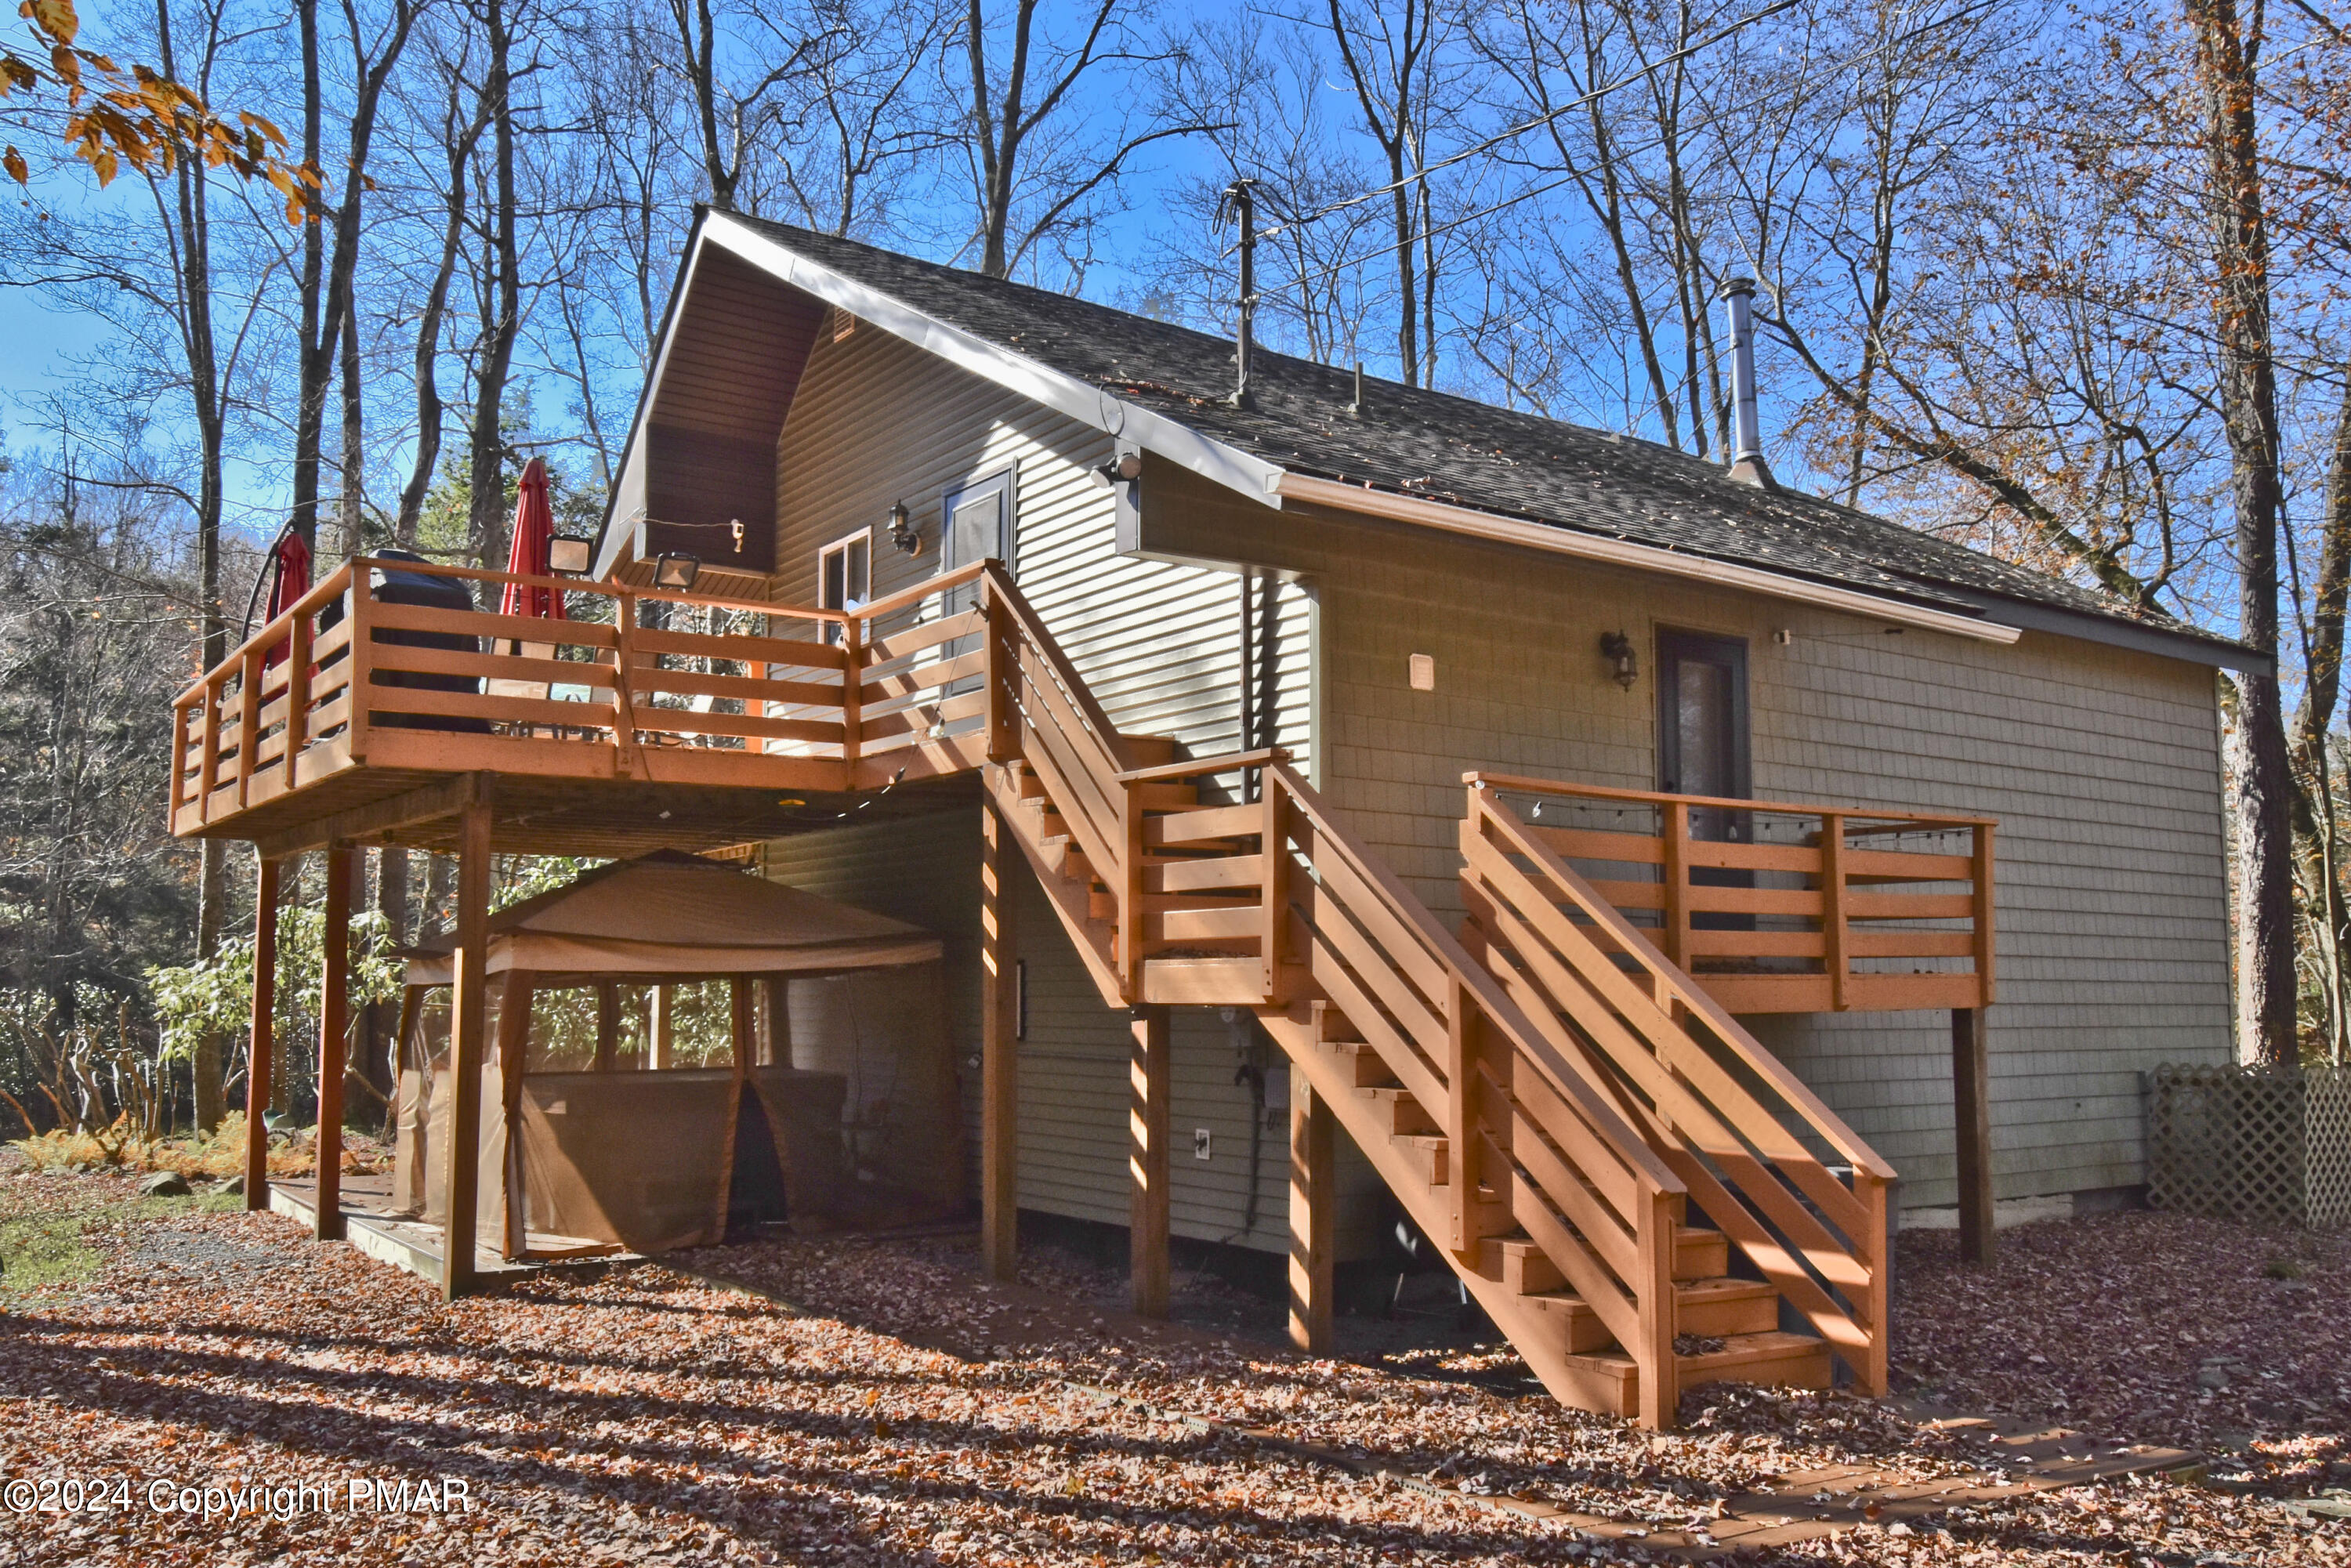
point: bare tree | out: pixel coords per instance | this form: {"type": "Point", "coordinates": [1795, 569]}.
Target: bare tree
{"type": "Point", "coordinates": [1035, 166]}
{"type": "Point", "coordinates": [499, 299]}
{"type": "Point", "coordinates": [325, 282]}
{"type": "Point", "coordinates": [1392, 58]}
{"type": "Point", "coordinates": [731, 119]}
{"type": "Point", "coordinates": [461, 127]}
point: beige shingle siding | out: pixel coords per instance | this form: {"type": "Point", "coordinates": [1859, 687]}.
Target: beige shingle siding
{"type": "Point", "coordinates": [2102, 764]}
{"type": "Point", "coordinates": [877, 421]}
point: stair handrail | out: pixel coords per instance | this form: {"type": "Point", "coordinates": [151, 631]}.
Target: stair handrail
{"type": "Point", "coordinates": [1096, 748]}
{"type": "Point", "coordinates": [1649, 1282]}
{"type": "Point", "coordinates": [1858, 1266]}
{"type": "Point", "coordinates": [1073, 686]}
{"type": "Point", "coordinates": [1447, 949]}
{"type": "Point", "coordinates": [1677, 982]}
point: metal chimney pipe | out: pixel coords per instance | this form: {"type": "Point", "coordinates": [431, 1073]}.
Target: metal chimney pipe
{"type": "Point", "coordinates": [1747, 463]}
{"type": "Point", "coordinates": [1241, 203]}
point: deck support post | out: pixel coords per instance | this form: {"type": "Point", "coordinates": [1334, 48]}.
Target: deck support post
{"type": "Point", "coordinates": [742, 1019]}
{"type": "Point", "coordinates": [607, 1025]}
{"type": "Point", "coordinates": [664, 1028]}
{"type": "Point", "coordinates": [1971, 1130]}
{"type": "Point", "coordinates": [262, 1042]}
{"type": "Point", "coordinates": [775, 1021]}
{"type": "Point", "coordinates": [469, 1001]}
{"type": "Point", "coordinates": [1148, 1078]}
{"type": "Point", "coordinates": [1314, 1206]}
{"type": "Point", "coordinates": [334, 1031]}
{"type": "Point", "coordinates": [999, 1071]}
{"type": "Point", "coordinates": [514, 1042]}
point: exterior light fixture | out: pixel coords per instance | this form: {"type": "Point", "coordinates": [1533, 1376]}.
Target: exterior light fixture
{"type": "Point", "coordinates": [901, 530]}
{"type": "Point", "coordinates": [675, 568]}
{"type": "Point", "coordinates": [568, 554]}
{"type": "Point", "coordinates": [1617, 649]}
{"type": "Point", "coordinates": [1127, 466]}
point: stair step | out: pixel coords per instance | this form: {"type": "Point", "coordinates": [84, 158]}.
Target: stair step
{"type": "Point", "coordinates": [1725, 1309]}
{"type": "Point", "coordinates": [1426, 1152]}
{"type": "Point", "coordinates": [1712, 1309]}
{"type": "Point", "coordinates": [1150, 750]}
{"type": "Point", "coordinates": [1332, 1026]}
{"type": "Point", "coordinates": [1773, 1357]}
{"type": "Point", "coordinates": [1776, 1359]}
{"type": "Point", "coordinates": [1698, 1256]}
{"type": "Point", "coordinates": [1404, 1113]}
{"type": "Point", "coordinates": [1366, 1069]}
{"type": "Point", "coordinates": [1204, 982]}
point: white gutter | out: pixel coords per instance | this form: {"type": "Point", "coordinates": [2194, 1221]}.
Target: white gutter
{"type": "Point", "coordinates": [1087, 404]}
{"type": "Point", "coordinates": [1640, 557]}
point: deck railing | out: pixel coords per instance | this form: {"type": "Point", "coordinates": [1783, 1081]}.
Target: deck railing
{"type": "Point", "coordinates": [1775, 907]}
{"type": "Point", "coordinates": [1768, 1163]}
{"type": "Point", "coordinates": [635, 682]}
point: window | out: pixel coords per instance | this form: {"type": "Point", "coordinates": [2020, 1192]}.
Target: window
{"type": "Point", "coordinates": [844, 576]}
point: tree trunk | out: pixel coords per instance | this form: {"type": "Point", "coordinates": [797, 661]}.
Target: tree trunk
{"type": "Point", "coordinates": [2317, 838]}
{"type": "Point", "coordinates": [463, 138]}
{"type": "Point", "coordinates": [313, 360]}
{"type": "Point", "coordinates": [2258, 757]}
{"type": "Point", "coordinates": [354, 436]}
{"type": "Point", "coordinates": [193, 218]}
{"type": "Point", "coordinates": [383, 1017]}
{"type": "Point", "coordinates": [502, 299]}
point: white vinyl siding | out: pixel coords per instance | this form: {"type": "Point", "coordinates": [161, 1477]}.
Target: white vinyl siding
{"type": "Point", "coordinates": [876, 422]}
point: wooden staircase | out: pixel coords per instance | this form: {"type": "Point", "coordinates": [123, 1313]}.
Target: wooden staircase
{"type": "Point", "coordinates": [1603, 1156]}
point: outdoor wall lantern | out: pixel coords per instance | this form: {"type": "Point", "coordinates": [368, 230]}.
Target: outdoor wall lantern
{"type": "Point", "coordinates": [675, 568]}
{"type": "Point", "coordinates": [1617, 649]}
{"type": "Point", "coordinates": [568, 554]}
{"type": "Point", "coordinates": [901, 530]}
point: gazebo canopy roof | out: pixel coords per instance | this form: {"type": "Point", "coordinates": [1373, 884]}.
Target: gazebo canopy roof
{"type": "Point", "coordinates": [670, 915]}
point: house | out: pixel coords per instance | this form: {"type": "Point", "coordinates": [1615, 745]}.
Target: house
{"type": "Point", "coordinates": [1625, 853]}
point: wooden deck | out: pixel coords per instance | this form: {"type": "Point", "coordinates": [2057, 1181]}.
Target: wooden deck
{"type": "Point", "coordinates": [1560, 1094]}
{"type": "Point", "coordinates": [1772, 907]}
{"type": "Point", "coordinates": [613, 734]}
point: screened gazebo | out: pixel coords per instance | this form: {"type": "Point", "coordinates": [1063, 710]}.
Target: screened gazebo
{"type": "Point", "coordinates": [683, 1051]}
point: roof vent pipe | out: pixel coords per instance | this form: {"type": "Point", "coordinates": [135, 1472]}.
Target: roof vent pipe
{"type": "Point", "coordinates": [1241, 203]}
{"type": "Point", "coordinates": [1747, 464]}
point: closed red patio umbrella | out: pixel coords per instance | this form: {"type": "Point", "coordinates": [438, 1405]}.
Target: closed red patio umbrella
{"type": "Point", "coordinates": [533, 526]}
{"type": "Point", "coordinates": [290, 579]}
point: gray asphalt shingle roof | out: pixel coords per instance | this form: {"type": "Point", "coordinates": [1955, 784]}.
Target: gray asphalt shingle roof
{"type": "Point", "coordinates": [1455, 450]}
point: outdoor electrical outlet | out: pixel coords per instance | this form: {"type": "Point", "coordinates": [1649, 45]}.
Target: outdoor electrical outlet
{"type": "Point", "coordinates": [1200, 1141]}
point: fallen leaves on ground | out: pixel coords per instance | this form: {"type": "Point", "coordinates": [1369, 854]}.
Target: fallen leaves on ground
{"type": "Point", "coordinates": [912, 1414]}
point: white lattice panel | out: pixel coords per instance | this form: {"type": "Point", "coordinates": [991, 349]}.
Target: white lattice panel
{"type": "Point", "coordinates": [2267, 1144]}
